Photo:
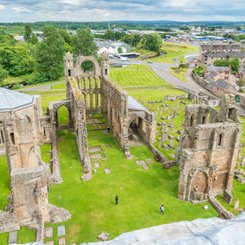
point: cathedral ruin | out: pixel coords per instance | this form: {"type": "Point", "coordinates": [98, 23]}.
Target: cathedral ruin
{"type": "Point", "coordinates": [208, 151]}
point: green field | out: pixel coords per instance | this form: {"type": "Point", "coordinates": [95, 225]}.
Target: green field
{"type": "Point", "coordinates": [180, 73]}
{"type": "Point", "coordinates": [137, 76]}
{"type": "Point", "coordinates": [174, 51]}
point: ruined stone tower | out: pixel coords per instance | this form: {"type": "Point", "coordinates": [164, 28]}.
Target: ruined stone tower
{"type": "Point", "coordinates": [23, 130]}
{"type": "Point", "coordinates": [208, 151]}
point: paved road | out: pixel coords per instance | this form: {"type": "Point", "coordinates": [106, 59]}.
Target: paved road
{"type": "Point", "coordinates": [162, 70]}
{"type": "Point", "coordinates": [42, 87]}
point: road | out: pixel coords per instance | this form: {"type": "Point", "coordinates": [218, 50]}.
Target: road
{"type": "Point", "coordinates": [162, 70]}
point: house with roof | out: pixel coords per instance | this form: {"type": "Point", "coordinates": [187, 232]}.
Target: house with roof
{"type": "Point", "coordinates": [112, 47]}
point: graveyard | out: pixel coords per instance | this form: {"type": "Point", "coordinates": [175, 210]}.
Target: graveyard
{"type": "Point", "coordinates": [141, 183]}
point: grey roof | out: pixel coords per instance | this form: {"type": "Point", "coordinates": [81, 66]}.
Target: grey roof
{"type": "Point", "coordinates": [217, 68]}
{"type": "Point", "coordinates": [10, 99]}
{"type": "Point", "coordinates": [229, 54]}
{"type": "Point", "coordinates": [133, 104]}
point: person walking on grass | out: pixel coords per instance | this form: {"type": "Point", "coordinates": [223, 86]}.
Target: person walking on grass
{"type": "Point", "coordinates": [116, 199]}
{"type": "Point", "coordinates": [161, 209]}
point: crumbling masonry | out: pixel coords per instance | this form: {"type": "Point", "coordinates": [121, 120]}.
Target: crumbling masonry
{"type": "Point", "coordinates": [208, 151]}
{"type": "Point", "coordinates": [22, 130]}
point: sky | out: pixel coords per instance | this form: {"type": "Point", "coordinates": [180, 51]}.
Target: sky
{"type": "Point", "coordinates": [109, 10]}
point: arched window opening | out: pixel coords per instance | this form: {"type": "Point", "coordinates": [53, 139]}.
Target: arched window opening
{"type": "Point", "coordinates": [220, 139]}
{"type": "Point", "coordinates": [12, 138]}
{"type": "Point", "coordinates": [191, 121]}
{"type": "Point", "coordinates": [2, 141]}
{"type": "Point", "coordinates": [203, 120]}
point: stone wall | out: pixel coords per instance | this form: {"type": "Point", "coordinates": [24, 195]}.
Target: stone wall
{"type": "Point", "coordinates": [208, 150]}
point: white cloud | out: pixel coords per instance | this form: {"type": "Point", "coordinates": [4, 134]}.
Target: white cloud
{"type": "Point", "coordinates": [21, 9]}
{"type": "Point", "coordinates": [2, 7]}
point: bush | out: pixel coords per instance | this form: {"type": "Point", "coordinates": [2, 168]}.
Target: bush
{"type": "Point", "coordinates": [199, 70]}
{"type": "Point", "coordinates": [182, 66]}
{"type": "Point", "coordinates": [16, 86]}
{"type": "Point", "coordinates": [3, 74]}
{"type": "Point", "coordinates": [38, 78]}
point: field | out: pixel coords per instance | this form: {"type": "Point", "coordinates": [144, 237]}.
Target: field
{"type": "Point", "coordinates": [179, 73]}
{"type": "Point", "coordinates": [140, 191]}
{"type": "Point", "coordinates": [174, 51]}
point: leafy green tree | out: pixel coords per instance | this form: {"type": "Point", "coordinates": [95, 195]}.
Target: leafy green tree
{"type": "Point", "coordinates": [49, 54]}
{"type": "Point", "coordinates": [6, 39]}
{"type": "Point", "coordinates": [3, 74]}
{"type": "Point", "coordinates": [28, 32]}
{"type": "Point", "coordinates": [83, 43]}
{"type": "Point", "coordinates": [132, 39]}
{"type": "Point", "coordinates": [34, 39]}
{"type": "Point", "coordinates": [66, 36]}
{"type": "Point", "coordinates": [234, 63]}
{"type": "Point", "coordinates": [16, 60]}
{"type": "Point", "coordinates": [199, 70]}
{"type": "Point", "coordinates": [152, 42]}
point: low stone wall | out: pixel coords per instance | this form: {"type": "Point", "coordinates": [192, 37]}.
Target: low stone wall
{"type": "Point", "coordinates": [220, 208]}
{"type": "Point", "coordinates": [159, 157]}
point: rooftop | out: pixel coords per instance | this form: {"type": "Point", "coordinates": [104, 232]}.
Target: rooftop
{"type": "Point", "coordinates": [133, 104]}
{"type": "Point", "coordinates": [10, 99]}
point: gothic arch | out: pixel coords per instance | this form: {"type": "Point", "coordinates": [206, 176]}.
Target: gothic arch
{"type": "Point", "coordinates": [82, 59]}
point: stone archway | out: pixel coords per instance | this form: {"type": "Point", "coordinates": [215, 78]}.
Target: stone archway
{"type": "Point", "coordinates": [62, 115]}
{"type": "Point", "coordinates": [82, 59]}
{"type": "Point", "coordinates": [135, 133]}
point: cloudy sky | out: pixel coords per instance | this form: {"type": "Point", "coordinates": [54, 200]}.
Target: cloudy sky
{"type": "Point", "coordinates": [103, 10]}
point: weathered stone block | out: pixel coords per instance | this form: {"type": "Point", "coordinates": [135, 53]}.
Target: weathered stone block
{"type": "Point", "coordinates": [49, 232]}
{"type": "Point", "coordinates": [61, 230]}
{"type": "Point", "coordinates": [12, 237]}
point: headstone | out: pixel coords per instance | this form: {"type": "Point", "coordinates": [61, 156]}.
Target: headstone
{"type": "Point", "coordinates": [62, 241]}
{"type": "Point", "coordinates": [149, 161]}
{"type": "Point", "coordinates": [61, 230]}
{"type": "Point", "coordinates": [49, 232]}
{"type": "Point", "coordinates": [50, 243]}
{"type": "Point", "coordinates": [236, 206]}
{"type": "Point", "coordinates": [103, 236]}
{"type": "Point", "coordinates": [105, 131]}
{"type": "Point", "coordinates": [107, 171]}
{"type": "Point", "coordinates": [96, 156]}
{"type": "Point", "coordinates": [96, 165]}
{"type": "Point", "coordinates": [94, 149]}
{"type": "Point", "coordinates": [12, 237]}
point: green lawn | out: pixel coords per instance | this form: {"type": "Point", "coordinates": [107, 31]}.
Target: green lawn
{"type": "Point", "coordinates": [179, 73]}
{"type": "Point", "coordinates": [4, 183]}
{"type": "Point", "coordinates": [140, 192]}
{"type": "Point", "coordinates": [137, 76]}
{"type": "Point", "coordinates": [174, 50]}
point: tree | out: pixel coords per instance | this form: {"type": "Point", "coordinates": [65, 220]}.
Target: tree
{"type": "Point", "coordinates": [3, 74]}
{"type": "Point", "coordinates": [16, 60]}
{"type": "Point", "coordinates": [28, 32]}
{"type": "Point", "coordinates": [234, 63]}
{"type": "Point", "coordinates": [6, 39]}
{"type": "Point", "coordinates": [83, 43]}
{"type": "Point", "coordinates": [34, 39]}
{"type": "Point", "coordinates": [49, 54]}
{"type": "Point", "coordinates": [152, 42]}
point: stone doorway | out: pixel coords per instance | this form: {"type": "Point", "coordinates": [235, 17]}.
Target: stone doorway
{"type": "Point", "coordinates": [134, 135]}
